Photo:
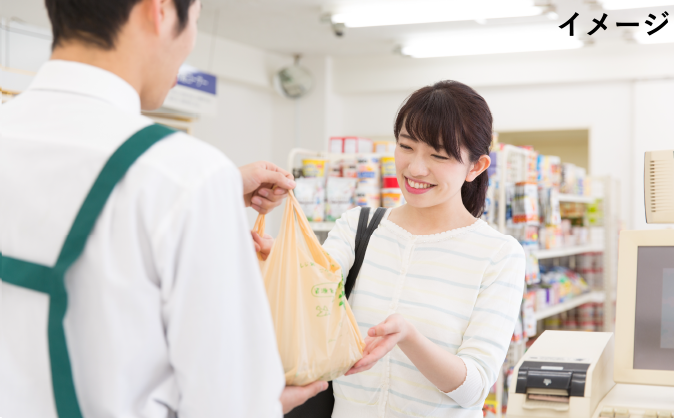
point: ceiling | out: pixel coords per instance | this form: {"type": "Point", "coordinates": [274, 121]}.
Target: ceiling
{"type": "Point", "coordinates": [294, 26]}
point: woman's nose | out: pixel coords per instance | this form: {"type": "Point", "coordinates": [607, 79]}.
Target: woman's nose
{"type": "Point", "coordinates": [418, 167]}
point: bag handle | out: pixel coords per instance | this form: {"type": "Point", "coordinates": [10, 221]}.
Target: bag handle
{"type": "Point", "coordinates": [363, 234]}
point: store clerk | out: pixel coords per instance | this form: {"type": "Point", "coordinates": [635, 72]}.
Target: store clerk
{"type": "Point", "coordinates": [165, 311]}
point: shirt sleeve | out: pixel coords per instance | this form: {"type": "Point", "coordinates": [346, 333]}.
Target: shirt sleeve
{"type": "Point", "coordinates": [219, 329]}
{"type": "Point", "coordinates": [341, 240]}
{"type": "Point", "coordinates": [487, 337]}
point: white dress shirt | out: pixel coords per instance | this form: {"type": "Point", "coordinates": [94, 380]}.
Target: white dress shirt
{"type": "Point", "coordinates": [167, 310]}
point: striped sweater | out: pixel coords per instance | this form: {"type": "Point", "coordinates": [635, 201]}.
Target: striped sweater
{"type": "Point", "coordinates": [461, 289]}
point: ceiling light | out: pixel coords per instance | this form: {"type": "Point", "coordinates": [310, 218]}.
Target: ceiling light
{"type": "Point", "coordinates": [634, 4]}
{"type": "Point", "coordinates": [358, 15]}
{"type": "Point", "coordinates": [492, 41]}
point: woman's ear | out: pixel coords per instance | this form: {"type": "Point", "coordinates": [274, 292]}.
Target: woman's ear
{"type": "Point", "coordinates": [478, 167]}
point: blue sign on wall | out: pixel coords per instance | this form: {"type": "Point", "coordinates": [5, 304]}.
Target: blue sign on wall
{"type": "Point", "coordinates": [197, 80]}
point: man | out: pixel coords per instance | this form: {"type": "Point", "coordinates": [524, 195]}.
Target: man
{"type": "Point", "coordinates": [163, 309]}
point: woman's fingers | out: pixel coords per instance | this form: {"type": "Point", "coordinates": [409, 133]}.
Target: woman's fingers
{"type": "Point", "coordinates": [385, 328]}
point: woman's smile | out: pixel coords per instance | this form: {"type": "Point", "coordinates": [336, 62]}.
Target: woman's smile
{"type": "Point", "coordinates": [417, 186]}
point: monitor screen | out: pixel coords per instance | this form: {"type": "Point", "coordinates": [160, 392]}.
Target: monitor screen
{"type": "Point", "coordinates": [654, 319]}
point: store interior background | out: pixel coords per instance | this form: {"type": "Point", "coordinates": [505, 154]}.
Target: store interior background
{"type": "Point", "coordinates": [617, 91]}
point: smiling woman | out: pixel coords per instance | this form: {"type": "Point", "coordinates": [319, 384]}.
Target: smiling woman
{"type": "Point", "coordinates": [438, 292]}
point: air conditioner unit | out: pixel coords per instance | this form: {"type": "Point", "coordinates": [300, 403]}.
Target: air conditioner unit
{"type": "Point", "coordinates": [659, 186]}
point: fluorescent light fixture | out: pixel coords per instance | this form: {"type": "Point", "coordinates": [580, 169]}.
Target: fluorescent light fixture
{"type": "Point", "coordinates": [492, 41]}
{"type": "Point", "coordinates": [358, 15]}
{"type": "Point", "coordinates": [634, 4]}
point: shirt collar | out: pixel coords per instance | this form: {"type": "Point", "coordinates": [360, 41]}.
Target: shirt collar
{"type": "Point", "coordinates": [88, 80]}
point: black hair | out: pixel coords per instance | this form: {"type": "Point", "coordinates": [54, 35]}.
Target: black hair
{"type": "Point", "coordinates": [450, 115]}
{"type": "Point", "coordinates": [98, 22]}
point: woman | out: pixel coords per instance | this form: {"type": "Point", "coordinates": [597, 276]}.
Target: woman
{"type": "Point", "coordinates": [439, 291]}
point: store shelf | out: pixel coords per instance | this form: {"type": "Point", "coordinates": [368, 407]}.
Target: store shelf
{"type": "Point", "coordinates": [576, 198]}
{"type": "Point", "coordinates": [596, 297]}
{"type": "Point", "coordinates": [565, 252]}
{"type": "Point", "coordinates": [322, 226]}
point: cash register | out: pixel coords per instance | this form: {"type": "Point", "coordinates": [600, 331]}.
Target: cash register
{"type": "Point", "coordinates": [631, 375]}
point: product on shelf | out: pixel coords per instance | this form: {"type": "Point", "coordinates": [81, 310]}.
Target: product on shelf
{"type": "Point", "coordinates": [350, 145]}
{"type": "Point", "coordinates": [558, 284]}
{"type": "Point", "coordinates": [384, 147]}
{"type": "Point", "coordinates": [310, 193]}
{"type": "Point", "coordinates": [389, 183]}
{"type": "Point", "coordinates": [525, 204]}
{"type": "Point", "coordinates": [340, 197]}
{"type": "Point", "coordinates": [591, 267]}
{"type": "Point", "coordinates": [549, 171]}
{"type": "Point", "coordinates": [334, 168]}
{"type": "Point", "coordinates": [388, 167]}
{"type": "Point", "coordinates": [353, 145]}
{"type": "Point", "coordinates": [392, 198]}
{"type": "Point", "coordinates": [368, 198]}
{"type": "Point", "coordinates": [350, 168]}
{"type": "Point", "coordinates": [313, 167]}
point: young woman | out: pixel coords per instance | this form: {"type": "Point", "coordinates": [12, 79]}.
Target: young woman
{"type": "Point", "coordinates": [439, 290]}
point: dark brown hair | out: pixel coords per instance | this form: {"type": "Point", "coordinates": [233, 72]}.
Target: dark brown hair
{"type": "Point", "coordinates": [98, 22]}
{"type": "Point", "coordinates": [450, 115]}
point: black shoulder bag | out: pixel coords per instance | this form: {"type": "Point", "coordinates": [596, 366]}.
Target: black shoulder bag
{"type": "Point", "coordinates": [321, 405]}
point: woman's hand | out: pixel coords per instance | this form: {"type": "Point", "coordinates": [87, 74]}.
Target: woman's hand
{"type": "Point", "coordinates": [380, 340]}
{"type": "Point", "coordinates": [294, 396]}
{"type": "Point", "coordinates": [262, 244]}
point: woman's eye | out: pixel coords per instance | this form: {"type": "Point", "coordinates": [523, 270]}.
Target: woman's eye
{"type": "Point", "coordinates": [404, 146]}
{"type": "Point", "coordinates": [440, 157]}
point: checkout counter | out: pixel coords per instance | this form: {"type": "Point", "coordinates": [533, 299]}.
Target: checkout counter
{"type": "Point", "coordinates": [569, 374]}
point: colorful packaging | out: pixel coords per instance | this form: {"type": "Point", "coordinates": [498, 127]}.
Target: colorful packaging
{"type": "Point", "coordinates": [384, 147]}
{"type": "Point", "coordinates": [368, 174]}
{"type": "Point", "coordinates": [390, 183]}
{"type": "Point", "coordinates": [313, 168]}
{"type": "Point", "coordinates": [340, 197]}
{"type": "Point", "coordinates": [388, 167]}
{"type": "Point", "coordinates": [310, 193]}
{"type": "Point", "coordinates": [335, 168]}
{"type": "Point", "coordinates": [350, 169]}
{"type": "Point", "coordinates": [392, 198]}
{"type": "Point", "coordinates": [370, 198]}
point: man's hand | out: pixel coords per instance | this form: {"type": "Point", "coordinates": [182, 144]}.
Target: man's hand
{"type": "Point", "coordinates": [262, 244]}
{"type": "Point", "coordinates": [294, 396]}
{"type": "Point", "coordinates": [380, 340]}
{"type": "Point", "coordinates": [258, 180]}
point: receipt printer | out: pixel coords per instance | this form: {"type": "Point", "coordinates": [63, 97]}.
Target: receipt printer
{"type": "Point", "coordinates": [563, 375]}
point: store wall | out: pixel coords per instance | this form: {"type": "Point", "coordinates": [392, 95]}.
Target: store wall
{"type": "Point", "coordinates": [530, 108]}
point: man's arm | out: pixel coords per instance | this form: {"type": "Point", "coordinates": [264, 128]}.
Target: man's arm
{"type": "Point", "coordinates": [219, 331]}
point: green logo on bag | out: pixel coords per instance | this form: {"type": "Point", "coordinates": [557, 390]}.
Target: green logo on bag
{"type": "Point", "coordinates": [324, 290]}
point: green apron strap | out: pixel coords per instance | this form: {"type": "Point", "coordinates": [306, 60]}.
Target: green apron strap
{"type": "Point", "coordinates": [50, 280]}
{"type": "Point", "coordinates": [112, 173]}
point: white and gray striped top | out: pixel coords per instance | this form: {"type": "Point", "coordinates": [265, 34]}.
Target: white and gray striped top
{"type": "Point", "coordinates": [462, 289]}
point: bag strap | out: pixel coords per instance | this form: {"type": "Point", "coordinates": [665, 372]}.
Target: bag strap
{"type": "Point", "coordinates": [363, 234]}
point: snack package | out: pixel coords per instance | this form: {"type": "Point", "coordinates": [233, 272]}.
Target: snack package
{"type": "Point", "coordinates": [316, 332]}
{"type": "Point", "coordinates": [310, 192]}
{"type": "Point", "coordinates": [340, 197]}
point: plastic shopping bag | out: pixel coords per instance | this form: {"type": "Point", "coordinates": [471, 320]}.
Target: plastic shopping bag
{"type": "Point", "coordinates": [317, 335]}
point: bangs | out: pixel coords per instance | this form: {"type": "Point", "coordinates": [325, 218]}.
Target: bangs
{"type": "Point", "coordinates": [433, 116]}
